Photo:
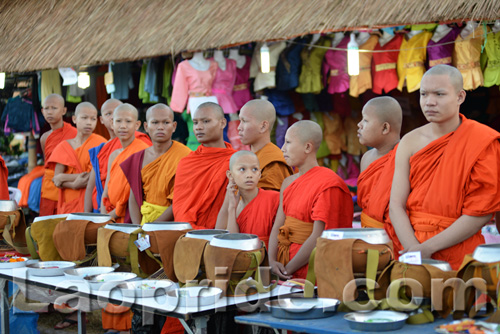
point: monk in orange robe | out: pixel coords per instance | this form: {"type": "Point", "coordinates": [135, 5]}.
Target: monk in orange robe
{"type": "Point", "coordinates": [200, 182]}
{"type": "Point", "coordinates": [247, 209]}
{"type": "Point", "coordinates": [380, 128]}
{"type": "Point", "coordinates": [99, 157]}
{"type": "Point", "coordinates": [53, 111]}
{"type": "Point", "coordinates": [150, 194]}
{"type": "Point", "coordinates": [24, 184]}
{"type": "Point", "coordinates": [4, 186]}
{"type": "Point", "coordinates": [73, 161]}
{"type": "Point", "coordinates": [447, 175]}
{"type": "Point", "coordinates": [312, 200]}
{"type": "Point", "coordinates": [257, 119]}
{"type": "Point", "coordinates": [117, 190]}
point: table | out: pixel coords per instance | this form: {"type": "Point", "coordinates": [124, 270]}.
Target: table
{"type": "Point", "coordinates": [158, 305]}
{"type": "Point", "coordinates": [331, 325]}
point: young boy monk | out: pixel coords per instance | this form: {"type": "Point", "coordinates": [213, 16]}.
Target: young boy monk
{"type": "Point", "coordinates": [447, 175]}
{"type": "Point", "coordinates": [53, 111]}
{"type": "Point", "coordinates": [117, 190]}
{"type": "Point", "coordinates": [200, 182]}
{"type": "Point", "coordinates": [151, 172]}
{"type": "Point", "coordinates": [72, 160]}
{"type": "Point", "coordinates": [311, 201]}
{"type": "Point", "coordinates": [99, 157]}
{"type": "Point", "coordinates": [380, 128]}
{"type": "Point", "coordinates": [247, 209]}
{"type": "Point", "coordinates": [257, 119]}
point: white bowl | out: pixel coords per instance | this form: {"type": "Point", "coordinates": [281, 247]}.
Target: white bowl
{"type": "Point", "coordinates": [98, 218]}
{"type": "Point", "coordinates": [205, 234]}
{"type": "Point", "coordinates": [41, 218]}
{"type": "Point", "coordinates": [145, 288]}
{"type": "Point", "coordinates": [6, 205]}
{"type": "Point", "coordinates": [241, 241]}
{"type": "Point", "coordinates": [125, 228]}
{"type": "Point", "coordinates": [487, 253]}
{"type": "Point", "coordinates": [166, 226]}
{"type": "Point", "coordinates": [108, 281]}
{"type": "Point", "coordinates": [12, 265]}
{"type": "Point", "coordinates": [80, 273]}
{"type": "Point", "coordinates": [49, 268]}
{"type": "Point", "coordinates": [369, 235]}
{"type": "Point", "coordinates": [194, 296]}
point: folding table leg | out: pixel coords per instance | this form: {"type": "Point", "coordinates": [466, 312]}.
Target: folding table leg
{"type": "Point", "coordinates": [4, 296]}
{"type": "Point", "coordinates": [201, 324]}
{"type": "Point", "coordinates": [82, 322]}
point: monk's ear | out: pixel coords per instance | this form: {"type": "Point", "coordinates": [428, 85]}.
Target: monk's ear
{"type": "Point", "coordinates": [100, 119]}
{"type": "Point", "coordinates": [264, 126]}
{"type": "Point", "coordinates": [386, 128]}
{"type": "Point", "coordinates": [229, 175]}
{"type": "Point", "coordinates": [146, 126]}
{"type": "Point", "coordinates": [309, 147]}
{"type": "Point", "coordinates": [223, 122]}
{"type": "Point", "coordinates": [64, 110]}
{"type": "Point", "coordinates": [174, 125]}
{"type": "Point", "coordinates": [73, 118]}
{"type": "Point", "coordinates": [137, 125]}
{"type": "Point", "coordinates": [461, 96]}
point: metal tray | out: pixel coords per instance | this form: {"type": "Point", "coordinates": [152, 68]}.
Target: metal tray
{"type": "Point", "coordinates": [93, 217]}
{"type": "Point", "coordinates": [7, 206]}
{"type": "Point", "coordinates": [49, 268]}
{"type": "Point", "coordinates": [303, 308]}
{"type": "Point", "coordinates": [42, 218]}
{"type": "Point", "coordinates": [376, 321]}
{"type": "Point", "coordinates": [106, 282]}
{"type": "Point", "coordinates": [80, 273]}
{"type": "Point", "coordinates": [443, 265]}
{"type": "Point", "coordinates": [487, 253]}
{"type": "Point", "coordinates": [12, 265]}
{"type": "Point", "coordinates": [205, 234]}
{"type": "Point", "coordinates": [145, 288]}
{"type": "Point", "coordinates": [369, 235]}
{"type": "Point", "coordinates": [194, 296]}
{"type": "Point", "coordinates": [166, 226]}
{"type": "Point", "coordinates": [241, 241]}
{"type": "Point", "coordinates": [125, 228]}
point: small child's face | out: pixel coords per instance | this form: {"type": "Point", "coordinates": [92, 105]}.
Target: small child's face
{"type": "Point", "coordinates": [86, 120]}
{"type": "Point", "coordinates": [107, 117]}
{"type": "Point", "coordinates": [125, 124]}
{"type": "Point", "coordinates": [246, 172]}
{"type": "Point", "coordinates": [53, 110]}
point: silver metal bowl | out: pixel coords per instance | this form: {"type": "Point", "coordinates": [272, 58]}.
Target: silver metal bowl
{"type": "Point", "coordinates": [8, 206]}
{"type": "Point", "coordinates": [166, 226]}
{"type": "Point", "coordinates": [205, 234]}
{"type": "Point", "coordinates": [49, 268]}
{"type": "Point", "coordinates": [241, 241]}
{"type": "Point", "coordinates": [125, 228]}
{"type": "Point", "coordinates": [42, 218]}
{"type": "Point", "coordinates": [369, 235]}
{"type": "Point", "coordinates": [443, 265]}
{"type": "Point", "coordinates": [376, 321]}
{"type": "Point", "coordinates": [93, 217]}
{"type": "Point", "coordinates": [81, 273]}
{"type": "Point", "coordinates": [487, 253]}
{"type": "Point", "coordinates": [303, 308]}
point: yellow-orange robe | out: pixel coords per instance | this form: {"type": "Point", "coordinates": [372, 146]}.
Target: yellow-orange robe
{"type": "Point", "coordinates": [273, 167]}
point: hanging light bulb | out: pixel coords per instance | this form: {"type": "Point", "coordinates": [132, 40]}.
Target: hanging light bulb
{"type": "Point", "coordinates": [83, 80]}
{"type": "Point", "coordinates": [265, 61]}
{"type": "Point", "coordinates": [2, 80]}
{"type": "Point", "coordinates": [353, 56]}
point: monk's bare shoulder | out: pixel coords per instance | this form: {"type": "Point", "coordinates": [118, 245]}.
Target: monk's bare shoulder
{"type": "Point", "coordinates": [149, 156]}
{"type": "Point", "coordinates": [115, 153]}
{"type": "Point", "coordinates": [415, 140]}
{"type": "Point", "coordinates": [288, 181]}
{"type": "Point", "coordinates": [43, 139]}
{"type": "Point", "coordinates": [367, 158]}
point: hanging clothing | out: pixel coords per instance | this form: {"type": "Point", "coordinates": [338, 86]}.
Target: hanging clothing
{"type": "Point", "coordinates": [361, 83]}
{"type": "Point", "coordinates": [492, 55]}
{"type": "Point", "coordinates": [288, 69]}
{"type": "Point", "coordinates": [310, 74]}
{"type": "Point", "coordinates": [122, 79]}
{"type": "Point", "coordinates": [223, 84]}
{"type": "Point", "coordinates": [51, 83]}
{"type": "Point", "coordinates": [168, 69]}
{"type": "Point", "coordinates": [335, 76]}
{"type": "Point", "coordinates": [467, 56]}
{"type": "Point", "coordinates": [281, 102]}
{"type": "Point", "coordinates": [241, 89]}
{"type": "Point", "coordinates": [19, 116]}
{"type": "Point", "coordinates": [385, 76]}
{"type": "Point", "coordinates": [191, 82]}
{"type": "Point", "coordinates": [442, 54]}
{"type": "Point", "coordinates": [143, 95]}
{"type": "Point", "coordinates": [265, 80]}
{"type": "Point", "coordinates": [411, 61]}
{"type": "Point", "coordinates": [323, 150]}
{"type": "Point", "coordinates": [351, 130]}
{"type": "Point", "coordinates": [150, 80]}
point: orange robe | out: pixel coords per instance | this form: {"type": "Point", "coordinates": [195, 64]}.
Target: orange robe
{"type": "Point", "coordinates": [274, 167]}
{"type": "Point", "coordinates": [25, 183]}
{"type": "Point", "coordinates": [118, 187]}
{"type": "Point", "coordinates": [50, 193]}
{"type": "Point", "coordinates": [319, 194]}
{"type": "Point", "coordinates": [76, 162]}
{"type": "Point", "coordinates": [457, 174]}
{"type": "Point", "coordinates": [4, 174]}
{"type": "Point", "coordinates": [258, 216]}
{"type": "Point", "coordinates": [200, 186]}
{"type": "Point", "coordinates": [374, 194]}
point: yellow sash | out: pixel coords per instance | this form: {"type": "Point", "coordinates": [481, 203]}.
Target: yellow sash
{"type": "Point", "coordinates": [150, 212]}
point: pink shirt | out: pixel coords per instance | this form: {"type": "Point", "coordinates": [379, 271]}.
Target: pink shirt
{"type": "Point", "coordinates": [223, 85]}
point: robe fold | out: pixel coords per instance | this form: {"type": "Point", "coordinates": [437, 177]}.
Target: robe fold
{"type": "Point", "coordinates": [274, 168]}
{"type": "Point", "coordinates": [4, 186]}
{"type": "Point", "coordinates": [200, 186]}
{"type": "Point", "coordinates": [50, 193]}
{"type": "Point", "coordinates": [25, 183]}
{"type": "Point", "coordinates": [319, 194]}
{"type": "Point", "coordinates": [118, 187]}
{"type": "Point", "coordinates": [258, 216]}
{"type": "Point", "coordinates": [76, 162]}
{"type": "Point", "coordinates": [153, 185]}
{"type": "Point", "coordinates": [457, 174]}
{"type": "Point", "coordinates": [374, 194]}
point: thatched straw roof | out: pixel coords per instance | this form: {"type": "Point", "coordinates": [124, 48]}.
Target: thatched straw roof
{"type": "Point", "coordinates": [46, 34]}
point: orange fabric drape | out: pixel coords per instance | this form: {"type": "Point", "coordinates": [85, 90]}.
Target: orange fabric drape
{"type": "Point", "coordinates": [273, 167]}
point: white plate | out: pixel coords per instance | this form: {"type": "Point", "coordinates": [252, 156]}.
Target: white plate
{"type": "Point", "coordinates": [49, 268]}
{"type": "Point", "coordinates": [63, 217]}
{"type": "Point", "coordinates": [12, 265]}
{"type": "Point", "coordinates": [193, 296]}
{"type": "Point", "coordinates": [97, 218]}
{"type": "Point", "coordinates": [166, 226]}
{"type": "Point", "coordinates": [108, 281]}
{"type": "Point", "coordinates": [80, 273]}
{"type": "Point", "coordinates": [145, 288]}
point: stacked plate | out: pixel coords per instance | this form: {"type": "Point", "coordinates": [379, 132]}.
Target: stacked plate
{"type": "Point", "coordinates": [49, 268]}
{"type": "Point", "coordinates": [81, 273]}
{"type": "Point", "coordinates": [303, 308]}
{"type": "Point", "coordinates": [106, 282]}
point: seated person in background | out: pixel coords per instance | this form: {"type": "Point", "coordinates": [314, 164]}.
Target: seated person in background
{"type": "Point", "coordinates": [380, 128]}
{"type": "Point", "coordinates": [447, 175]}
{"type": "Point", "coordinates": [117, 190]}
{"type": "Point", "coordinates": [311, 201]}
{"type": "Point", "coordinates": [246, 208]}
{"type": "Point", "coordinates": [257, 119]}
{"type": "Point", "coordinates": [72, 160]}
{"type": "Point", "coordinates": [151, 172]}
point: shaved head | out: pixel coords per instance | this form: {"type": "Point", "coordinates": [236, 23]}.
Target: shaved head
{"type": "Point", "coordinates": [235, 157]}
{"type": "Point", "coordinates": [159, 106]}
{"type": "Point", "coordinates": [84, 105]}
{"type": "Point", "coordinates": [55, 97]}
{"type": "Point", "coordinates": [217, 109]}
{"type": "Point", "coordinates": [111, 104]}
{"type": "Point", "coordinates": [308, 131]}
{"type": "Point", "coordinates": [453, 74]}
{"type": "Point", "coordinates": [262, 110]}
{"type": "Point", "coordinates": [128, 108]}
{"type": "Point", "coordinates": [387, 109]}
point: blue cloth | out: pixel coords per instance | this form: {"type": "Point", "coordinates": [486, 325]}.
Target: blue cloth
{"type": "Point", "coordinates": [150, 81]}
{"type": "Point", "coordinates": [288, 68]}
{"type": "Point", "coordinates": [93, 152]}
{"type": "Point", "coordinates": [19, 116]}
{"type": "Point", "coordinates": [35, 194]}
{"type": "Point", "coordinates": [281, 102]}
{"type": "Point", "coordinates": [121, 79]}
